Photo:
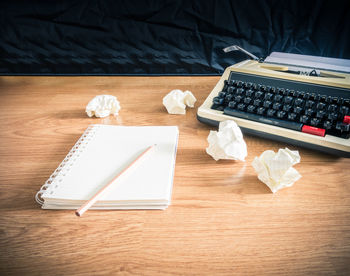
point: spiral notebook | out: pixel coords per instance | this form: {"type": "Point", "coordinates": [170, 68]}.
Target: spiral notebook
{"type": "Point", "coordinates": [100, 154]}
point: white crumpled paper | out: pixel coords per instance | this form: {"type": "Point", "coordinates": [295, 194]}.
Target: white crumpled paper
{"type": "Point", "coordinates": [275, 169]}
{"type": "Point", "coordinates": [102, 106]}
{"type": "Point", "coordinates": [175, 101]}
{"type": "Point", "coordinates": [227, 143]}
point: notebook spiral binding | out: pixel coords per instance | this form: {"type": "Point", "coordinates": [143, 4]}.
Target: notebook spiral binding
{"type": "Point", "coordinates": [57, 176]}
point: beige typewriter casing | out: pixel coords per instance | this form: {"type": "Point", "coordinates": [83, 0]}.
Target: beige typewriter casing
{"type": "Point", "coordinates": [328, 143]}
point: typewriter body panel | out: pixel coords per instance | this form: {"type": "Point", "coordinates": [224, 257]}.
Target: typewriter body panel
{"type": "Point", "coordinates": [338, 84]}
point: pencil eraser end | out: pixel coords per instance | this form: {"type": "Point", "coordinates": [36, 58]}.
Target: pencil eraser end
{"type": "Point", "coordinates": [77, 213]}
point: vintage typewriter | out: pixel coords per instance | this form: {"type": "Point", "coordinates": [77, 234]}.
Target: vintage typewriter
{"type": "Point", "coordinates": [297, 104]}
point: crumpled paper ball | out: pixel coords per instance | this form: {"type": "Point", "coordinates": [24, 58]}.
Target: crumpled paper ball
{"type": "Point", "coordinates": [176, 101]}
{"type": "Point", "coordinates": [275, 169]}
{"type": "Point", "coordinates": [102, 106]}
{"type": "Point", "coordinates": [227, 143]}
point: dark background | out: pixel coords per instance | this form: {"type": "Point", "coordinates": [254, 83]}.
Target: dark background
{"type": "Point", "coordinates": [163, 37]}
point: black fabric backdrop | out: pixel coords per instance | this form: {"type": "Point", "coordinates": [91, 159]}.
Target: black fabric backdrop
{"type": "Point", "coordinates": [163, 37]}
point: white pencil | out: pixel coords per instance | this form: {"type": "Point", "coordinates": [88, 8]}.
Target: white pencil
{"type": "Point", "coordinates": [79, 212]}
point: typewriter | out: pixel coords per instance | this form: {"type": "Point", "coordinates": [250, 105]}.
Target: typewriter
{"type": "Point", "coordinates": [300, 105]}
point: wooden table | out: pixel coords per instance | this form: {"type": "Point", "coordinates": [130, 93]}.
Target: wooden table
{"type": "Point", "coordinates": [222, 220]}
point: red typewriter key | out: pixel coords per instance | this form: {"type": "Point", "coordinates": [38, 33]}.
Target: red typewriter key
{"type": "Point", "coordinates": [313, 130]}
{"type": "Point", "coordinates": [346, 120]}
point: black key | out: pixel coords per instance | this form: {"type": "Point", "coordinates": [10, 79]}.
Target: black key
{"type": "Point", "coordinates": [222, 94]}
{"type": "Point", "coordinates": [332, 116]}
{"type": "Point", "coordinates": [248, 85]}
{"type": "Point", "coordinates": [297, 109]}
{"type": "Point", "coordinates": [320, 114]}
{"type": "Point", "coordinates": [298, 102]}
{"type": "Point", "coordinates": [313, 97]}
{"type": "Point", "coordinates": [268, 96]}
{"type": "Point", "coordinates": [228, 98]}
{"type": "Point", "coordinates": [327, 125]}
{"type": "Point", "coordinates": [239, 84]}
{"type": "Point", "coordinates": [309, 104]}
{"type": "Point", "coordinates": [297, 94]}
{"type": "Point", "coordinates": [292, 116]}
{"type": "Point", "coordinates": [332, 107]}
{"type": "Point", "coordinates": [255, 86]}
{"type": "Point", "coordinates": [320, 105]}
{"type": "Point", "coordinates": [260, 111]}
{"type": "Point", "coordinates": [249, 93]}
{"type": "Point", "coordinates": [263, 88]}
{"type": "Point", "coordinates": [281, 114]}
{"type": "Point", "coordinates": [218, 100]}
{"type": "Point", "coordinates": [309, 112]}
{"type": "Point", "coordinates": [261, 119]}
{"type": "Point", "coordinates": [293, 93]}
{"type": "Point", "coordinates": [323, 98]}
{"type": "Point", "coordinates": [231, 89]}
{"type": "Point", "coordinates": [287, 108]}
{"type": "Point", "coordinates": [247, 100]}
{"type": "Point", "coordinates": [238, 99]}
{"type": "Point", "coordinates": [342, 127]}
{"type": "Point", "coordinates": [278, 98]}
{"type": "Point", "coordinates": [257, 102]}
{"type": "Point", "coordinates": [281, 91]}
{"type": "Point", "coordinates": [241, 106]}
{"type": "Point", "coordinates": [239, 91]}
{"type": "Point", "coordinates": [288, 100]}
{"type": "Point", "coordinates": [267, 104]}
{"type": "Point", "coordinates": [304, 119]}
{"type": "Point", "coordinates": [277, 106]}
{"type": "Point", "coordinates": [344, 110]}
{"type": "Point", "coordinates": [251, 108]}
{"type": "Point", "coordinates": [335, 100]}
{"type": "Point", "coordinates": [346, 102]}
{"type": "Point", "coordinates": [232, 104]}
{"type": "Point", "coordinates": [258, 94]}
{"type": "Point", "coordinates": [329, 100]}
{"type": "Point", "coordinates": [271, 112]}
{"type": "Point", "coordinates": [314, 122]}
{"type": "Point", "coordinates": [306, 96]}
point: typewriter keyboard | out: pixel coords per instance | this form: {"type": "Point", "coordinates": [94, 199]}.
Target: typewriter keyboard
{"type": "Point", "coordinates": [310, 108]}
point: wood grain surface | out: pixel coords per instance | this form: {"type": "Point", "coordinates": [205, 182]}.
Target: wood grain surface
{"type": "Point", "coordinates": [222, 221]}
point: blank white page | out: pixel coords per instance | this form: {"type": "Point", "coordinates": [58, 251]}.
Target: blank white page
{"type": "Point", "coordinates": [325, 63]}
{"type": "Point", "coordinates": [105, 153]}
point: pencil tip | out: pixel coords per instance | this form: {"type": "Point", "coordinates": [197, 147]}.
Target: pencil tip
{"type": "Point", "coordinates": [77, 213]}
